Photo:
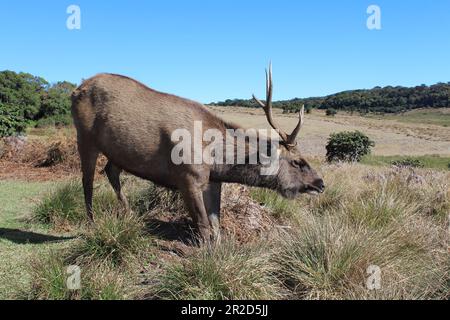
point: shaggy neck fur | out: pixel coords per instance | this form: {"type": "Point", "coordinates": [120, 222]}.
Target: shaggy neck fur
{"type": "Point", "coordinates": [247, 174]}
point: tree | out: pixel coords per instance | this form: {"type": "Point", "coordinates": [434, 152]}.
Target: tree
{"type": "Point", "coordinates": [56, 101]}
{"type": "Point", "coordinates": [25, 98]}
{"type": "Point", "coordinates": [331, 112]}
{"type": "Point", "coordinates": [11, 120]}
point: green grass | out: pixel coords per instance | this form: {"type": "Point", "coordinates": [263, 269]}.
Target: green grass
{"type": "Point", "coordinates": [429, 161]}
{"type": "Point", "coordinates": [430, 116]}
{"type": "Point", "coordinates": [49, 276]}
{"type": "Point", "coordinates": [228, 271]}
{"type": "Point", "coordinates": [116, 237]}
{"type": "Point", "coordinates": [280, 207]}
{"type": "Point", "coordinates": [20, 240]}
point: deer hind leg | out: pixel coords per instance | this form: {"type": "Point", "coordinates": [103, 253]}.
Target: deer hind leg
{"type": "Point", "coordinates": [113, 173]}
{"type": "Point", "coordinates": [211, 199]}
{"type": "Point", "coordinates": [88, 157]}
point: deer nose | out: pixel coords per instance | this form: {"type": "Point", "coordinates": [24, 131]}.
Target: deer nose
{"type": "Point", "coordinates": [320, 185]}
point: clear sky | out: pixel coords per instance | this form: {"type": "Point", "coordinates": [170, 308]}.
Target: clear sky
{"type": "Point", "coordinates": [210, 50]}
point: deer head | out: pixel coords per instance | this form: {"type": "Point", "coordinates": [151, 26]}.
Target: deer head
{"type": "Point", "coordinates": [295, 175]}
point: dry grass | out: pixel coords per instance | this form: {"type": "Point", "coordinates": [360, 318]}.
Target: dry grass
{"type": "Point", "coordinates": [392, 136]}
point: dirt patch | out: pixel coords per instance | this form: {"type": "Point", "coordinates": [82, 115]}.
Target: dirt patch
{"type": "Point", "coordinates": [42, 160]}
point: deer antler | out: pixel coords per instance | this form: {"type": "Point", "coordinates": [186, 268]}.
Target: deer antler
{"type": "Point", "coordinates": [288, 139]}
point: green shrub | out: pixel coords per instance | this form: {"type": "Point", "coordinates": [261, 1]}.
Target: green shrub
{"type": "Point", "coordinates": [348, 146]}
{"type": "Point", "coordinates": [408, 162]}
{"type": "Point", "coordinates": [61, 120]}
{"type": "Point", "coordinates": [11, 121]}
{"type": "Point", "coordinates": [331, 112]}
{"type": "Point", "coordinates": [308, 109]}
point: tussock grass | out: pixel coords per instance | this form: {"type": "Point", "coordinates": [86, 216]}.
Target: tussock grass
{"type": "Point", "coordinates": [98, 282]}
{"type": "Point", "coordinates": [395, 219]}
{"type": "Point", "coordinates": [65, 204]}
{"type": "Point", "coordinates": [392, 219]}
{"type": "Point", "coordinates": [116, 237]}
{"type": "Point", "coordinates": [108, 253]}
{"type": "Point", "coordinates": [225, 272]}
{"type": "Point", "coordinates": [62, 204]}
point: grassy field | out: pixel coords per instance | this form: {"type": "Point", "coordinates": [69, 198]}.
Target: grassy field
{"type": "Point", "coordinates": [372, 214]}
{"type": "Point", "coordinates": [431, 162]}
{"type": "Point", "coordinates": [316, 248]}
{"type": "Point", "coordinates": [20, 238]}
{"type": "Point", "coordinates": [392, 137]}
{"type": "Point", "coordinates": [439, 117]}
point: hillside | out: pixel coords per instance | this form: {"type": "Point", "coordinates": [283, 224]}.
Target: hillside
{"type": "Point", "coordinates": [379, 100]}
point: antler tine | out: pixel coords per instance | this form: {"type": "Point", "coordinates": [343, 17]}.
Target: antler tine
{"type": "Point", "coordinates": [293, 136]}
{"type": "Point", "coordinates": [269, 86]}
{"type": "Point", "coordinates": [268, 105]}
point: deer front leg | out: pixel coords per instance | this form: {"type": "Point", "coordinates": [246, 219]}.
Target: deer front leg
{"type": "Point", "coordinates": [211, 199]}
{"type": "Point", "coordinates": [193, 197]}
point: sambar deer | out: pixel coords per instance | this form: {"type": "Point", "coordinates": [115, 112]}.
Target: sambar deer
{"type": "Point", "coordinates": [132, 124]}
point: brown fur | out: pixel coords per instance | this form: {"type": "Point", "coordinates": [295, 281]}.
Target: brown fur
{"type": "Point", "coordinates": [132, 124]}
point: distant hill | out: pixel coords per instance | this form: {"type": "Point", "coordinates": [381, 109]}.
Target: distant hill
{"type": "Point", "coordinates": [379, 100]}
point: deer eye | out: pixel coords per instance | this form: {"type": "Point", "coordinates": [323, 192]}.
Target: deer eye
{"type": "Point", "coordinates": [296, 164]}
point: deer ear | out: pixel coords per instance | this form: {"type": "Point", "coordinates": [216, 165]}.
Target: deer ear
{"type": "Point", "coordinates": [279, 152]}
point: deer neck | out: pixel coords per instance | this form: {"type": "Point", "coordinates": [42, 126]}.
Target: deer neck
{"type": "Point", "coordinates": [245, 174]}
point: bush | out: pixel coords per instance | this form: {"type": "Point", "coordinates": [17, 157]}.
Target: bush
{"type": "Point", "coordinates": [11, 121]}
{"type": "Point", "coordinates": [308, 109]}
{"type": "Point", "coordinates": [348, 146]}
{"type": "Point", "coordinates": [55, 121]}
{"type": "Point", "coordinates": [408, 162]}
{"type": "Point", "coordinates": [331, 112]}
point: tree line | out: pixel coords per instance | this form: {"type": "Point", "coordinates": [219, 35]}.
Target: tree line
{"type": "Point", "coordinates": [27, 100]}
{"type": "Point", "coordinates": [377, 100]}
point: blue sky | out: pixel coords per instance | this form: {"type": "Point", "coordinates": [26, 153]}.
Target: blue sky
{"type": "Point", "coordinates": [213, 50]}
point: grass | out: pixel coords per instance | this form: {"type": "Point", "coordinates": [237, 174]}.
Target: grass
{"type": "Point", "coordinates": [116, 237]}
{"type": "Point", "coordinates": [393, 218]}
{"type": "Point", "coordinates": [49, 277]}
{"type": "Point", "coordinates": [280, 207]}
{"type": "Point", "coordinates": [430, 161]}
{"type": "Point", "coordinates": [20, 240]}
{"type": "Point", "coordinates": [227, 271]}
{"type": "Point", "coordinates": [383, 218]}
{"type": "Point", "coordinates": [429, 116]}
